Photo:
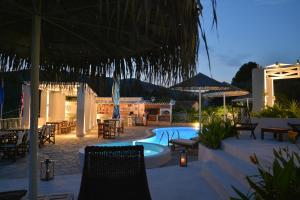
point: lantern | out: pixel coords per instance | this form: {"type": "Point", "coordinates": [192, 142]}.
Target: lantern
{"type": "Point", "coordinates": [183, 159]}
{"type": "Point", "coordinates": [47, 170]}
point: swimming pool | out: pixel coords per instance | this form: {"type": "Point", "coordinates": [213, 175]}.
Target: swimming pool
{"type": "Point", "coordinates": [162, 135]}
{"type": "Point", "coordinates": [156, 150]}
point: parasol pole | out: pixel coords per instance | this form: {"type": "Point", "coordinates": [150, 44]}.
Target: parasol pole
{"type": "Point", "coordinates": [224, 105]}
{"type": "Point", "coordinates": [34, 87]}
{"type": "Point", "coordinates": [200, 109]}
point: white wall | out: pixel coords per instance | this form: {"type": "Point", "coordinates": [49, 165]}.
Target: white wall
{"type": "Point", "coordinates": [86, 114]}
{"type": "Point", "coordinates": [258, 89]}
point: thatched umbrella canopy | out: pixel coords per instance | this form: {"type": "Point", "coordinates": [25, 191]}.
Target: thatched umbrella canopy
{"type": "Point", "coordinates": [199, 84]}
{"type": "Point", "coordinates": [156, 39]}
{"type": "Point", "coordinates": [231, 91]}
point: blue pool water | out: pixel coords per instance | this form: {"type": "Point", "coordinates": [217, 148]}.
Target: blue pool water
{"type": "Point", "coordinates": [161, 136]}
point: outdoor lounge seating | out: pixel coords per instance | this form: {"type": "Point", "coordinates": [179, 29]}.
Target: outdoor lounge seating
{"type": "Point", "coordinates": [114, 173]}
{"type": "Point", "coordinates": [186, 143]}
{"type": "Point", "coordinates": [242, 120]}
{"type": "Point", "coordinates": [13, 144]}
{"type": "Point", "coordinates": [277, 132]}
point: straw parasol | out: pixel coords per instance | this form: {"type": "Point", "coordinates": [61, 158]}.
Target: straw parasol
{"type": "Point", "coordinates": [231, 91]}
{"type": "Point", "coordinates": [200, 83]}
{"type": "Point", "coordinates": [152, 38]}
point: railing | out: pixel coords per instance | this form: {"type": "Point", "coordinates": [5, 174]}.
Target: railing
{"type": "Point", "coordinates": [10, 123]}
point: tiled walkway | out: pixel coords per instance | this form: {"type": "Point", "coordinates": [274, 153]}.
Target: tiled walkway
{"type": "Point", "coordinates": [65, 153]}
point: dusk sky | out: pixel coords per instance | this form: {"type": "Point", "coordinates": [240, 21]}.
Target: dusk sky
{"type": "Point", "coordinates": [264, 31]}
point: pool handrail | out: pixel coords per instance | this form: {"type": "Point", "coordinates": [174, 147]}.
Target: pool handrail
{"type": "Point", "coordinates": [163, 133]}
{"type": "Point", "coordinates": [178, 134]}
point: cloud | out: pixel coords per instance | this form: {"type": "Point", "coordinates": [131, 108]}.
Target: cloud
{"type": "Point", "coordinates": [272, 2]}
{"type": "Point", "coordinates": [232, 60]}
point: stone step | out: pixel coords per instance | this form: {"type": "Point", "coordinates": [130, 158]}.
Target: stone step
{"type": "Point", "coordinates": [265, 158]}
{"type": "Point", "coordinates": [220, 181]}
{"type": "Point", "coordinates": [234, 166]}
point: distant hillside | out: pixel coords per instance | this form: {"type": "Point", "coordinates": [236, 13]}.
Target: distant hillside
{"type": "Point", "coordinates": [101, 85]}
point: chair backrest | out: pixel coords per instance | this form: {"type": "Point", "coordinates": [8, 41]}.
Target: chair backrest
{"type": "Point", "coordinates": [8, 137]}
{"type": "Point", "coordinates": [20, 136]}
{"type": "Point", "coordinates": [114, 173]}
{"type": "Point", "coordinates": [51, 129]}
{"type": "Point", "coordinates": [240, 114]}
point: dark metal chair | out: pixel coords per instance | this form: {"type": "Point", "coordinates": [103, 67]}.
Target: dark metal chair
{"type": "Point", "coordinates": [13, 195]}
{"type": "Point", "coordinates": [242, 120]}
{"type": "Point", "coordinates": [114, 173]}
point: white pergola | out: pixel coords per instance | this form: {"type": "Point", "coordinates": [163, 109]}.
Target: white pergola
{"type": "Point", "coordinates": [53, 105]}
{"type": "Point", "coordinates": [263, 86]}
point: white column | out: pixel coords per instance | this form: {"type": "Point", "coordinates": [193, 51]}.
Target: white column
{"type": "Point", "coordinates": [269, 91]}
{"type": "Point", "coordinates": [26, 108]}
{"type": "Point", "coordinates": [80, 130]}
{"type": "Point", "coordinates": [43, 104]}
{"type": "Point", "coordinates": [57, 102]}
{"type": "Point", "coordinates": [258, 89]}
{"type": "Point", "coordinates": [224, 105]}
{"type": "Point", "coordinates": [86, 109]}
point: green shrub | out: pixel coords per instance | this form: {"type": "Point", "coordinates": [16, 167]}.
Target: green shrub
{"type": "Point", "coordinates": [214, 132]}
{"type": "Point", "coordinates": [280, 182]}
{"type": "Point", "coordinates": [213, 112]}
{"type": "Point", "coordinates": [288, 109]}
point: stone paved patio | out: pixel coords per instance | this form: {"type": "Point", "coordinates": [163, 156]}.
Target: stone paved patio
{"type": "Point", "coordinates": [65, 153]}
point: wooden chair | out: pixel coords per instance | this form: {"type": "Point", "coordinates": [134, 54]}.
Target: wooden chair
{"type": "Point", "coordinates": [242, 120]}
{"type": "Point", "coordinates": [109, 130]}
{"type": "Point", "coordinates": [100, 129]}
{"type": "Point", "coordinates": [114, 173]}
{"type": "Point", "coordinates": [47, 134]}
{"type": "Point", "coordinates": [120, 128]}
{"type": "Point", "coordinates": [65, 127]}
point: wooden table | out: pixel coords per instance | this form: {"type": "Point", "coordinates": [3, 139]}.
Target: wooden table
{"type": "Point", "coordinates": [57, 126]}
{"type": "Point", "coordinates": [277, 132]}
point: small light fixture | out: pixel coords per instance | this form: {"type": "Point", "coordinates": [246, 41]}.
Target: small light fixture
{"type": "Point", "coordinates": [183, 159]}
{"type": "Point", "coordinates": [47, 170]}
{"type": "Point", "coordinates": [153, 99]}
